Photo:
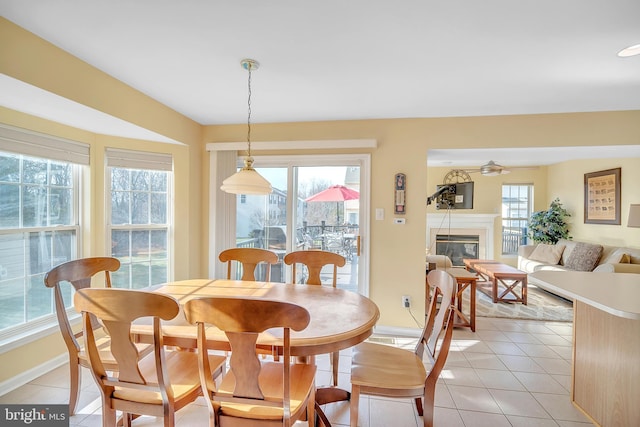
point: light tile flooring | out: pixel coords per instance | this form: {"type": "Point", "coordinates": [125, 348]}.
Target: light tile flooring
{"type": "Point", "coordinates": [508, 373]}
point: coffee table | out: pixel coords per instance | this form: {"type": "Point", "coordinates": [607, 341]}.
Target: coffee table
{"type": "Point", "coordinates": [500, 277]}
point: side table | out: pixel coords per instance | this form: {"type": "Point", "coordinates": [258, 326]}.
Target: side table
{"type": "Point", "coordinates": [465, 280]}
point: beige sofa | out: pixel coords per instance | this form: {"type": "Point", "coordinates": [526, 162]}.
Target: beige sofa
{"type": "Point", "coordinates": [563, 256]}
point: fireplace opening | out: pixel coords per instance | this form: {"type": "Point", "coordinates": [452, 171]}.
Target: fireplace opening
{"type": "Point", "coordinates": [457, 247]}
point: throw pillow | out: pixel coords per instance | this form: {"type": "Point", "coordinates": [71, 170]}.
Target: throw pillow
{"type": "Point", "coordinates": [584, 257]}
{"type": "Point", "coordinates": [618, 257]}
{"type": "Point", "coordinates": [549, 254]}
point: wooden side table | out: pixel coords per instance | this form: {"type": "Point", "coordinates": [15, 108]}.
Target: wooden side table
{"type": "Point", "coordinates": [465, 280]}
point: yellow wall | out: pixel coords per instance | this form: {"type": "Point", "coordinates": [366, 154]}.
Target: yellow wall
{"type": "Point", "coordinates": [397, 252]}
{"type": "Point", "coordinates": [566, 181]}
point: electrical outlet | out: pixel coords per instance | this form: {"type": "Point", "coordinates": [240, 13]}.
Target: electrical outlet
{"type": "Point", "coordinates": [406, 302]}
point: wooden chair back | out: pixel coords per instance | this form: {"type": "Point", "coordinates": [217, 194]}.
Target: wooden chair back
{"type": "Point", "coordinates": [438, 327]}
{"type": "Point", "coordinates": [443, 295]}
{"type": "Point", "coordinates": [249, 258]}
{"type": "Point", "coordinates": [406, 376]}
{"type": "Point", "coordinates": [142, 384]}
{"type": "Point", "coordinates": [315, 261]}
{"type": "Point", "coordinates": [78, 273]}
{"type": "Point", "coordinates": [248, 384]}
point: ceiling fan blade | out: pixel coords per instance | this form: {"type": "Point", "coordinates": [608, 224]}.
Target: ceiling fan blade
{"type": "Point", "coordinates": [491, 169]}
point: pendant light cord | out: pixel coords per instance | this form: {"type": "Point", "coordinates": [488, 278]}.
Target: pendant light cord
{"type": "Point", "coordinates": [249, 114]}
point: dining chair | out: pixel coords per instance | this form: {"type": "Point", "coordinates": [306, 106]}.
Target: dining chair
{"type": "Point", "coordinates": [158, 384]}
{"type": "Point", "coordinates": [79, 273]}
{"type": "Point", "coordinates": [315, 261]}
{"type": "Point", "coordinates": [249, 258]}
{"type": "Point", "coordinates": [253, 393]}
{"type": "Point", "coordinates": [382, 370]}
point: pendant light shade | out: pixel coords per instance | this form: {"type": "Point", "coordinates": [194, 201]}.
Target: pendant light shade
{"type": "Point", "coordinates": [247, 180]}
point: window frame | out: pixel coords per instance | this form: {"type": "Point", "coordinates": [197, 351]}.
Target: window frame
{"type": "Point", "coordinates": [530, 194]}
{"type": "Point", "coordinates": [128, 160]}
{"type": "Point", "coordinates": [31, 330]}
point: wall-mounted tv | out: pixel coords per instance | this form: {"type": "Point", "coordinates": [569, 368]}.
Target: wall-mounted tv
{"type": "Point", "coordinates": [462, 198]}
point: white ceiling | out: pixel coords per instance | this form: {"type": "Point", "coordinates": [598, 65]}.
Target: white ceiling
{"type": "Point", "coordinates": [340, 60]}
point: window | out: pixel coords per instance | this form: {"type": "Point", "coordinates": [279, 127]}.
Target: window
{"type": "Point", "coordinates": [140, 217]}
{"type": "Point", "coordinates": [517, 206]}
{"type": "Point", "coordinates": [39, 224]}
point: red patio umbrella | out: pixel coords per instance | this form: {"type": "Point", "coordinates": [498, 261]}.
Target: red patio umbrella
{"type": "Point", "coordinates": [335, 193]}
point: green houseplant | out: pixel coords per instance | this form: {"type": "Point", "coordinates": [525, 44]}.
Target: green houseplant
{"type": "Point", "coordinates": [549, 226]}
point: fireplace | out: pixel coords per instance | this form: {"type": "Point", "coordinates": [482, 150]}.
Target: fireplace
{"type": "Point", "coordinates": [458, 247]}
{"type": "Point", "coordinates": [457, 227]}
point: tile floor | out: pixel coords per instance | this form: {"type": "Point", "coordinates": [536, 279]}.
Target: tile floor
{"type": "Point", "coordinates": [508, 373]}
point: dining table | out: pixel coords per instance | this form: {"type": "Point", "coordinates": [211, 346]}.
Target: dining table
{"type": "Point", "coordinates": [339, 319]}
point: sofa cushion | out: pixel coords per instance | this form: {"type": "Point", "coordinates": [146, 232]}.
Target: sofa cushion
{"type": "Point", "coordinates": [584, 257]}
{"type": "Point", "coordinates": [549, 254]}
{"type": "Point", "coordinates": [568, 248]}
{"type": "Point", "coordinates": [617, 257]}
{"type": "Point", "coordinates": [617, 268]}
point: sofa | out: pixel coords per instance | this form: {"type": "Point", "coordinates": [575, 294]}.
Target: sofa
{"type": "Point", "coordinates": [571, 255]}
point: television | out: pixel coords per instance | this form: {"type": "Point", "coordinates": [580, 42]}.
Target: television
{"type": "Point", "coordinates": [455, 196]}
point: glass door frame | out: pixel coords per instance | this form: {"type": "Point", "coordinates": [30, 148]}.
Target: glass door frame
{"type": "Point", "coordinates": [291, 161]}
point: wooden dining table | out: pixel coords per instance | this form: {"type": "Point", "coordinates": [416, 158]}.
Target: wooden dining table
{"type": "Point", "coordinates": [339, 319]}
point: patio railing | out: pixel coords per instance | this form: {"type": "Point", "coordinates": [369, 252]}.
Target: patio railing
{"type": "Point", "coordinates": [512, 238]}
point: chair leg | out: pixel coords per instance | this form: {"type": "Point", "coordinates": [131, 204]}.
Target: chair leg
{"type": "Point", "coordinates": [74, 386]}
{"type": "Point", "coordinates": [429, 402]}
{"type": "Point", "coordinates": [353, 405]}
{"type": "Point", "coordinates": [108, 415]}
{"type": "Point", "coordinates": [335, 358]}
{"type": "Point", "coordinates": [169, 419]}
{"type": "Point", "coordinates": [311, 408]}
{"type": "Point", "coordinates": [419, 406]}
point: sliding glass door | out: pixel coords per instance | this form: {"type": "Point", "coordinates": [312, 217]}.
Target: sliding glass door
{"type": "Point", "coordinates": [327, 212]}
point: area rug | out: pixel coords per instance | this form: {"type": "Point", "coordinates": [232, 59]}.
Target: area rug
{"type": "Point", "coordinates": [541, 305]}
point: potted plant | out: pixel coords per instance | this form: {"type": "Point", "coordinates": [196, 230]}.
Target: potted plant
{"type": "Point", "coordinates": [549, 226]}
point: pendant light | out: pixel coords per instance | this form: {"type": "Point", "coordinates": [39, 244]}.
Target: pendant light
{"type": "Point", "coordinates": [247, 180]}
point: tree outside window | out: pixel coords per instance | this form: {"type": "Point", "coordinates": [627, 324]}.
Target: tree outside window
{"type": "Point", "coordinates": [139, 208]}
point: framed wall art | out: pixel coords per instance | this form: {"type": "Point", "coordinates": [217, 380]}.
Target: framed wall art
{"type": "Point", "coordinates": [602, 197]}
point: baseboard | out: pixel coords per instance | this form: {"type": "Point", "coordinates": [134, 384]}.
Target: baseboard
{"type": "Point", "coordinates": [397, 331]}
{"type": "Point", "coordinates": [31, 374]}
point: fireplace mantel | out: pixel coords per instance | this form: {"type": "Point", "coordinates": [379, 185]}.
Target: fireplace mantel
{"type": "Point", "coordinates": [454, 223]}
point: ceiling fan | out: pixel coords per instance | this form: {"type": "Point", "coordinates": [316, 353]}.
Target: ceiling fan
{"type": "Point", "coordinates": [492, 169]}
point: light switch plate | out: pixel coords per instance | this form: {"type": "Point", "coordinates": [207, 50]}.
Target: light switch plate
{"type": "Point", "coordinates": [379, 214]}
